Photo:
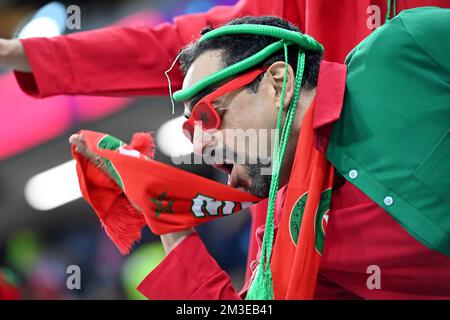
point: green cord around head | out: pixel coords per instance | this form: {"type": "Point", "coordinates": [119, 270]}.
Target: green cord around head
{"type": "Point", "coordinates": [302, 40]}
{"type": "Point", "coordinates": [227, 72]}
{"type": "Point", "coordinates": [287, 36]}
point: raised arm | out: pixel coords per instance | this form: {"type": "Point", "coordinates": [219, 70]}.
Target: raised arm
{"type": "Point", "coordinates": [12, 56]}
{"type": "Point", "coordinates": [120, 61]}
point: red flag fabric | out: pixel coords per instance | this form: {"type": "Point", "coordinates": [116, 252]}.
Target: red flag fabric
{"type": "Point", "coordinates": [301, 231]}
{"type": "Point", "coordinates": [145, 191]}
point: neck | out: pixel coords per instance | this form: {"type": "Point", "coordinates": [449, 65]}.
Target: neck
{"type": "Point", "coordinates": [306, 98]}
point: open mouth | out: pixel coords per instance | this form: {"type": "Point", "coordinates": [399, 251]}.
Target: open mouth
{"type": "Point", "coordinates": [228, 169]}
{"type": "Point", "coordinates": [235, 175]}
{"type": "Point", "coordinates": [225, 167]}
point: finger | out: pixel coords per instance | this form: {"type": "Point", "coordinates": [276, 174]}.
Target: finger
{"type": "Point", "coordinates": [80, 147]}
{"type": "Point", "coordinates": [73, 138]}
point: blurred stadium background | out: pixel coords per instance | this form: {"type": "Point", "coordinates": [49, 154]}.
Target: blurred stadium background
{"type": "Point", "coordinates": [44, 224]}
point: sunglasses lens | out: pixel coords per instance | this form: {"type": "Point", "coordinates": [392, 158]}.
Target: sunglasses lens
{"type": "Point", "coordinates": [188, 130]}
{"type": "Point", "coordinates": [206, 115]}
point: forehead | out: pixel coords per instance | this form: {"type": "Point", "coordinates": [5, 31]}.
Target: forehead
{"type": "Point", "coordinates": [204, 65]}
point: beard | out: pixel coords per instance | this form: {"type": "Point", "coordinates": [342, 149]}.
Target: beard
{"type": "Point", "coordinates": [259, 173]}
{"type": "Point", "coordinates": [260, 183]}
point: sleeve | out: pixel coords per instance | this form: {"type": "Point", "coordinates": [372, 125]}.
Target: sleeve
{"type": "Point", "coordinates": [121, 61]}
{"type": "Point", "coordinates": [188, 273]}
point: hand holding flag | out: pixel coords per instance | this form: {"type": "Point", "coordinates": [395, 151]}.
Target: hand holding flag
{"type": "Point", "coordinates": [128, 189]}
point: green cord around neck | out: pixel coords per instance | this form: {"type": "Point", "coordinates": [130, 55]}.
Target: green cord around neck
{"type": "Point", "coordinates": [262, 287]}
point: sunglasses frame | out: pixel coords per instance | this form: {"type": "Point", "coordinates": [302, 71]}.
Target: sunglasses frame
{"type": "Point", "coordinates": [236, 83]}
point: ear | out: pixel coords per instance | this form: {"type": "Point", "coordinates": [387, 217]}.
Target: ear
{"type": "Point", "coordinates": [275, 75]}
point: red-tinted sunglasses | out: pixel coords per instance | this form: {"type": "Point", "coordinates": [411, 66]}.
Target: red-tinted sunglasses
{"type": "Point", "coordinates": [204, 111]}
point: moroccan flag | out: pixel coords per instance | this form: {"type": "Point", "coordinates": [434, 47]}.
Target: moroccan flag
{"type": "Point", "coordinates": [301, 231]}
{"type": "Point", "coordinates": [145, 191]}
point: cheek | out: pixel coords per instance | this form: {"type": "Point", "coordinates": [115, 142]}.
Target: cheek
{"type": "Point", "coordinates": [249, 111]}
{"type": "Point", "coordinates": [255, 117]}
{"type": "Point", "coordinates": [263, 113]}
{"type": "Point", "coordinates": [266, 122]}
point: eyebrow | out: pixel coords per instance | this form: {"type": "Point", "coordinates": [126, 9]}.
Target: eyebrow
{"type": "Point", "coordinates": [196, 99]}
{"type": "Point", "coordinates": [191, 104]}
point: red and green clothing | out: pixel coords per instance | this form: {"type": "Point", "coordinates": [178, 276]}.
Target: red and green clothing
{"type": "Point", "coordinates": [359, 234]}
{"type": "Point", "coordinates": [361, 230]}
{"type": "Point", "coordinates": [393, 141]}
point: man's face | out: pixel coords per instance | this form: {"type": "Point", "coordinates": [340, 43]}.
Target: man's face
{"type": "Point", "coordinates": [245, 137]}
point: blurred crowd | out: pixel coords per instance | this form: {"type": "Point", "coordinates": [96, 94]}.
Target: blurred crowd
{"type": "Point", "coordinates": [34, 264]}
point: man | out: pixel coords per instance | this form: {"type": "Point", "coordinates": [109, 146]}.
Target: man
{"type": "Point", "coordinates": [362, 234]}
{"type": "Point", "coordinates": [129, 79]}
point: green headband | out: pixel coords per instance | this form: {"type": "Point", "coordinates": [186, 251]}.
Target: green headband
{"type": "Point", "coordinates": [261, 287]}
{"type": "Point", "coordinates": [287, 37]}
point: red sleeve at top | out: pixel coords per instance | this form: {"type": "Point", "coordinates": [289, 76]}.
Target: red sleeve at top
{"type": "Point", "coordinates": [130, 61]}
{"type": "Point", "coordinates": [121, 61]}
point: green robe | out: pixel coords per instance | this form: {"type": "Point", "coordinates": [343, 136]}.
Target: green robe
{"type": "Point", "coordinates": [393, 138]}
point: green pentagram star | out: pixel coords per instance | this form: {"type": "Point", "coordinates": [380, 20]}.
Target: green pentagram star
{"type": "Point", "coordinates": [160, 208]}
{"type": "Point", "coordinates": [204, 117]}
